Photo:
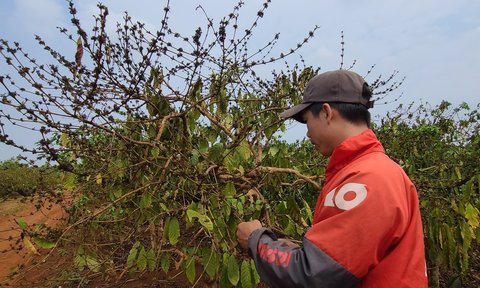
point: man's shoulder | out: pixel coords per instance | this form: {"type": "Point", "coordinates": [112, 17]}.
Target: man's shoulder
{"type": "Point", "coordinates": [377, 162]}
{"type": "Point", "coordinates": [377, 169]}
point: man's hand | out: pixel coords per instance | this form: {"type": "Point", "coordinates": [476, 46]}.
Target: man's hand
{"type": "Point", "coordinates": [244, 229]}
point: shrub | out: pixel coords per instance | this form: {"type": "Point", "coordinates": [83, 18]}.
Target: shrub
{"type": "Point", "coordinates": [21, 179]}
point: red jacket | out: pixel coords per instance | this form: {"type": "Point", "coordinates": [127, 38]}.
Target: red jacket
{"type": "Point", "coordinates": [366, 232]}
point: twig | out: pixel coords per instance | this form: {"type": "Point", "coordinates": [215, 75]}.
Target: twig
{"type": "Point", "coordinates": [272, 170]}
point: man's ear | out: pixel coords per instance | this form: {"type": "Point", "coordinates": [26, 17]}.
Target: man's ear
{"type": "Point", "coordinates": [327, 111]}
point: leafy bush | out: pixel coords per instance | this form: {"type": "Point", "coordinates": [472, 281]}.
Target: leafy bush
{"type": "Point", "coordinates": [439, 147]}
{"type": "Point", "coordinates": [172, 138]}
{"type": "Point", "coordinates": [20, 179]}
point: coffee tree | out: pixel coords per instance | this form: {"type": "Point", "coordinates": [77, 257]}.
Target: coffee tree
{"type": "Point", "coordinates": [439, 148]}
{"type": "Point", "coordinates": [167, 141]}
{"type": "Point", "coordinates": [169, 136]}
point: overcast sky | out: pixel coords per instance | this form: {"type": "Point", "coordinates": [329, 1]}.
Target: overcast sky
{"type": "Point", "coordinates": [433, 43]}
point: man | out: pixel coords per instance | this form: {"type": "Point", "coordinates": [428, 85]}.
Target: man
{"type": "Point", "coordinates": [367, 230]}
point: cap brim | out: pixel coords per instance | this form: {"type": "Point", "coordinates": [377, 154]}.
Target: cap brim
{"type": "Point", "coordinates": [295, 112]}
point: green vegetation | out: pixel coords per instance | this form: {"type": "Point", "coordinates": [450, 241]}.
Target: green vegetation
{"type": "Point", "coordinates": [165, 174]}
{"type": "Point", "coordinates": [21, 179]}
{"type": "Point", "coordinates": [439, 148]}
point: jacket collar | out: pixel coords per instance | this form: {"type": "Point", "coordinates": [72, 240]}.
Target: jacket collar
{"type": "Point", "coordinates": [351, 149]}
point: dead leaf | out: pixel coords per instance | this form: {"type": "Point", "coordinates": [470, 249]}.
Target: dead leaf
{"type": "Point", "coordinates": [28, 244]}
{"type": "Point", "coordinates": [79, 53]}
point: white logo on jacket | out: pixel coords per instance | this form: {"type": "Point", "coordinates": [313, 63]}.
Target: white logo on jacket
{"type": "Point", "coordinates": [360, 191]}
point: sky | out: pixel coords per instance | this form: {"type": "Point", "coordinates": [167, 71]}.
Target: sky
{"type": "Point", "coordinates": [433, 43]}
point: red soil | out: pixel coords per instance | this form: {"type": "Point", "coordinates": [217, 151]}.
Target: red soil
{"type": "Point", "coordinates": [14, 256]}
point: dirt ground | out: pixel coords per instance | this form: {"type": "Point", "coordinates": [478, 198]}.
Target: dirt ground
{"type": "Point", "coordinates": [38, 213]}
{"type": "Point", "coordinates": [20, 267]}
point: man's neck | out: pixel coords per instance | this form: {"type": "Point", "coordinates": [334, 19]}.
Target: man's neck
{"type": "Point", "coordinates": [349, 130]}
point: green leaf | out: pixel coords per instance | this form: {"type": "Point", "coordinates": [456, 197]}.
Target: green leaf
{"type": "Point", "coordinates": [190, 269]}
{"type": "Point", "coordinates": [230, 163]}
{"type": "Point", "coordinates": [196, 91]}
{"type": "Point", "coordinates": [244, 150]}
{"type": "Point", "coordinates": [192, 214]}
{"type": "Point", "coordinates": [223, 101]}
{"type": "Point", "coordinates": [194, 115]}
{"type": "Point", "coordinates": [142, 259]}
{"type": "Point", "coordinates": [233, 270]}
{"type": "Point", "coordinates": [44, 243]}
{"type": "Point", "coordinates": [116, 168]}
{"type": "Point", "coordinates": [216, 152]}
{"type": "Point", "coordinates": [79, 262]}
{"type": "Point", "coordinates": [457, 172]}
{"type": "Point", "coordinates": [151, 109]}
{"type": "Point", "coordinates": [230, 189]}
{"type": "Point", "coordinates": [21, 222]}
{"type": "Point", "coordinates": [64, 141]}
{"type": "Point", "coordinates": [69, 180]}
{"type": "Point", "coordinates": [155, 152]}
{"type": "Point", "coordinates": [228, 210]}
{"type": "Point", "coordinates": [224, 282]}
{"type": "Point", "coordinates": [292, 208]}
{"type": "Point", "coordinates": [255, 276]}
{"type": "Point", "coordinates": [164, 106]}
{"type": "Point", "coordinates": [212, 136]}
{"type": "Point", "coordinates": [173, 231]}
{"type": "Point", "coordinates": [240, 208]}
{"type": "Point", "coordinates": [472, 215]}
{"type": "Point", "coordinates": [146, 200]}
{"type": "Point", "coordinates": [115, 193]}
{"type": "Point", "coordinates": [165, 262]}
{"type": "Point", "coordinates": [203, 219]}
{"type": "Point", "coordinates": [467, 235]}
{"type": "Point", "coordinates": [151, 261]}
{"type": "Point", "coordinates": [92, 262]}
{"type": "Point", "coordinates": [203, 146]}
{"type": "Point", "coordinates": [79, 259]}
{"type": "Point", "coordinates": [270, 131]}
{"type": "Point", "coordinates": [195, 157]}
{"type": "Point", "coordinates": [308, 212]}
{"type": "Point", "coordinates": [246, 274]}
{"type": "Point", "coordinates": [273, 151]}
{"type": "Point", "coordinates": [211, 262]}
{"type": "Point", "coordinates": [206, 222]}
{"type": "Point", "coordinates": [166, 228]}
{"type": "Point", "coordinates": [232, 224]}
{"type": "Point", "coordinates": [132, 256]}
{"type": "Point", "coordinates": [152, 132]}
{"type": "Point", "coordinates": [227, 120]}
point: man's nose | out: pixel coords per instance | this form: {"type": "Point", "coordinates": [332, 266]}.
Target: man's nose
{"type": "Point", "coordinates": [308, 134]}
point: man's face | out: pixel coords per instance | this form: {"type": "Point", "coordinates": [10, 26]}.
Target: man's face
{"type": "Point", "coordinates": [318, 130]}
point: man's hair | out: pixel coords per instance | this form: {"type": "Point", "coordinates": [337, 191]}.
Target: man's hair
{"type": "Point", "coordinates": [352, 112]}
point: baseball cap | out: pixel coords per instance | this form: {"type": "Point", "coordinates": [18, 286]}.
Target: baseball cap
{"type": "Point", "coordinates": [333, 86]}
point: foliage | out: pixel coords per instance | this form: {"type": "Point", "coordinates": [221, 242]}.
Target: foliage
{"type": "Point", "coordinates": [171, 140]}
{"type": "Point", "coordinates": [166, 173]}
{"type": "Point", "coordinates": [21, 179]}
{"type": "Point", "coordinates": [439, 148]}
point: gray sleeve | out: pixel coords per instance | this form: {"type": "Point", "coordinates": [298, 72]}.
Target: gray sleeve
{"type": "Point", "coordinates": [280, 265]}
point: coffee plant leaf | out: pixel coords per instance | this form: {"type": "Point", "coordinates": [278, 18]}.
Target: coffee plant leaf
{"type": "Point", "coordinates": [173, 231]}
{"type": "Point", "coordinates": [233, 270]}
